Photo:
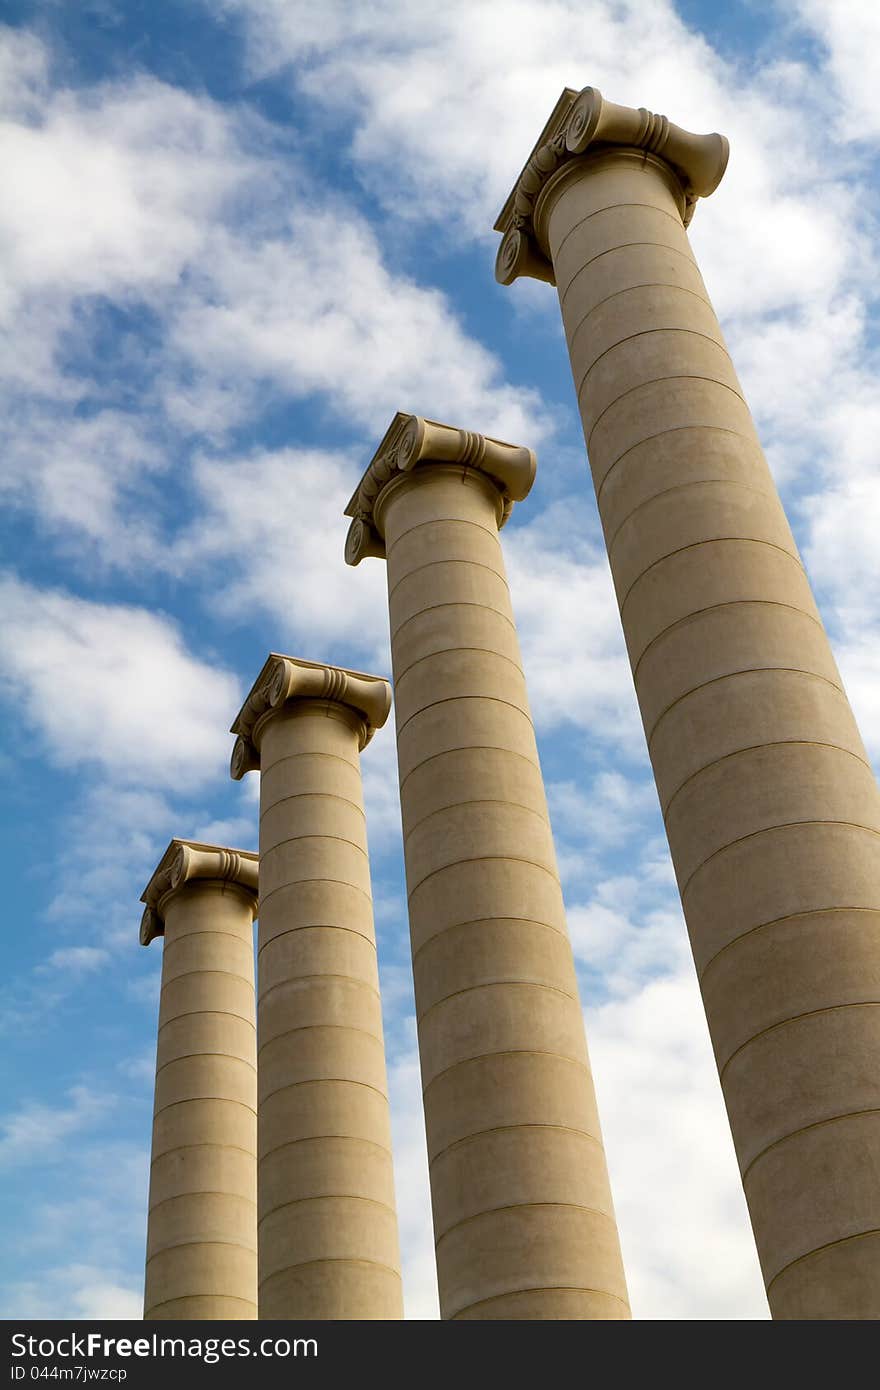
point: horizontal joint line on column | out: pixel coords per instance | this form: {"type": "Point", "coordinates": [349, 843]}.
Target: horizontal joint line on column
{"type": "Point", "coordinates": [774, 921]}
{"type": "Point", "coordinates": [685, 487]}
{"type": "Point", "coordinates": [438, 521]}
{"type": "Point", "coordinates": [182, 1245]}
{"type": "Point", "coordinates": [829, 1245]}
{"type": "Point", "coordinates": [796, 1018]}
{"type": "Point", "coordinates": [318, 975]}
{"type": "Point", "coordinates": [471, 748]}
{"type": "Point", "coordinates": [731, 675]}
{"type": "Point", "coordinates": [202, 1192]}
{"type": "Point", "coordinates": [186, 974]}
{"type": "Point", "coordinates": [452, 603]}
{"type": "Point", "coordinates": [200, 1013]}
{"type": "Point", "coordinates": [322, 1081]}
{"type": "Point", "coordinates": [316, 926]}
{"type": "Point", "coordinates": [295, 839]}
{"type": "Point", "coordinates": [508, 1052]}
{"type": "Point", "coordinates": [298, 882]}
{"type": "Point", "coordinates": [655, 381]}
{"type": "Point", "coordinates": [497, 984]}
{"type": "Point", "coordinates": [321, 1138]}
{"type": "Point", "coordinates": [188, 1056]}
{"type": "Point", "coordinates": [495, 699]}
{"type": "Point", "coordinates": [696, 545]}
{"type": "Point", "coordinates": [755, 748]}
{"type": "Point", "coordinates": [713, 608]}
{"type": "Point", "coordinates": [204, 1144]}
{"type": "Point", "coordinates": [450, 651]}
{"type": "Point", "coordinates": [296, 796]}
{"type": "Point", "coordinates": [480, 921]}
{"type": "Point", "coordinates": [484, 859]}
{"type": "Point", "coordinates": [804, 1129]}
{"type": "Point", "coordinates": [190, 1297]}
{"type": "Point", "coordinates": [624, 246]}
{"type": "Point", "coordinates": [631, 289]}
{"type": "Point", "coordinates": [478, 801]}
{"type": "Point", "coordinates": [310, 1027]}
{"type": "Point", "coordinates": [187, 937]}
{"type": "Point", "coordinates": [307, 753]}
{"type": "Point", "coordinates": [501, 1129]}
{"type": "Point", "coordinates": [331, 1260]}
{"type": "Point", "coordinates": [450, 560]}
{"type": "Point", "coordinates": [327, 1197]}
{"type": "Point", "coordinates": [520, 1206]}
{"type": "Point", "coordinates": [195, 1100]}
{"type": "Point", "coordinates": [644, 333]}
{"type": "Point", "coordinates": [541, 1288]}
{"type": "Point", "coordinates": [674, 429]}
{"type": "Point", "coordinates": [769, 829]}
{"type": "Point", "coordinates": [613, 207]}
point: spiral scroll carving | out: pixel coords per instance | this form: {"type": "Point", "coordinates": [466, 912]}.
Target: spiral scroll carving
{"type": "Point", "coordinates": [583, 120]}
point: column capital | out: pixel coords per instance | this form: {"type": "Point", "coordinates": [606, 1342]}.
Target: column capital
{"type": "Point", "coordinates": [411, 441]}
{"type": "Point", "coordinates": [288, 678]}
{"type": "Point", "coordinates": [185, 860]}
{"type": "Point", "coordinates": [582, 121]}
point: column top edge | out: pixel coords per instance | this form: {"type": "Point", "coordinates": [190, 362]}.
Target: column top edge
{"type": "Point", "coordinates": [286, 679]}
{"type": "Point", "coordinates": [186, 860]}
{"type": "Point", "coordinates": [584, 121]}
{"type": "Point", "coordinates": [413, 441]}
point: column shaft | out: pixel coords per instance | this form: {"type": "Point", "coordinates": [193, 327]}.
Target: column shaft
{"type": "Point", "coordinates": [201, 1240]}
{"type": "Point", "coordinates": [523, 1217]}
{"type": "Point", "coordinates": [771, 808]}
{"type": "Point", "coordinates": [328, 1224]}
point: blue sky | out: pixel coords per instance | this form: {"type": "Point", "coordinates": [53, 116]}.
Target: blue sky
{"type": "Point", "coordinates": [236, 237]}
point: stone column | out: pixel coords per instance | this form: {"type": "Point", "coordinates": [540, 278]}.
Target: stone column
{"type": "Point", "coordinates": [771, 808]}
{"type": "Point", "coordinates": [202, 1224]}
{"type": "Point", "coordinates": [327, 1217]}
{"type": "Point", "coordinates": [523, 1218]}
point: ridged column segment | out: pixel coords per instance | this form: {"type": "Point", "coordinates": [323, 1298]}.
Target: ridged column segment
{"type": "Point", "coordinates": [202, 1222]}
{"type": "Point", "coordinates": [523, 1216]}
{"type": "Point", "coordinates": [771, 807]}
{"type": "Point", "coordinates": [327, 1217]}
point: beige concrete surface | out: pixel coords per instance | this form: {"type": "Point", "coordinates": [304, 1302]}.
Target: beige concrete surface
{"type": "Point", "coordinates": [523, 1217]}
{"type": "Point", "coordinates": [202, 1223]}
{"type": "Point", "coordinates": [771, 809]}
{"type": "Point", "coordinates": [328, 1243]}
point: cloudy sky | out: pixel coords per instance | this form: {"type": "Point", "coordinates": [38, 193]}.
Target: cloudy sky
{"type": "Point", "coordinates": [235, 237]}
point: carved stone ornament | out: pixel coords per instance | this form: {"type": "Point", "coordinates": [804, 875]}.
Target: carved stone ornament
{"type": "Point", "coordinates": [183, 861]}
{"type": "Point", "coordinates": [582, 121]}
{"type": "Point", "coordinates": [286, 678]}
{"type": "Point", "coordinates": [411, 441]}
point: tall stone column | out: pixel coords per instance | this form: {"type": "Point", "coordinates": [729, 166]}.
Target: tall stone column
{"type": "Point", "coordinates": [523, 1218]}
{"type": "Point", "coordinates": [202, 1224]}
{"type": "Point", "coordinates": [771, 808]}
{"type": "Point", "coordinates": [327, 1218]}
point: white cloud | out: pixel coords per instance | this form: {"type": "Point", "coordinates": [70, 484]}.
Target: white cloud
{"type": "Point", "coordinates": [32, 1133]}
{"type": "Point", "coordinates": [850, 32]}
{"type": "Point", "coordinates": [108, 188]}
{"type": "Point", "coordinates": [687, 1243]}
{"type": "Point", "coordinates": [412, 1189]}
{"type": "Point", "coordinates": [93, 1296]}
{"type": "Point", "coordinates": [88, 477]}
{"type": "Point", "coordinates": [630, 930]}
{"type": "Point", "coordinates": [448, 102]}
{"type": "Point", "coordinates": [113, 686]}
{"type": "Point", "coordinates": [569, 629]}
{"type": "Point", "coordinates": [274, 522]}
{"type": "Point", "coordinates": [72, 1293]}
{"type": "Point", "coordinates": [315, 310]}
{"type": "Point", "coordinates": [77, 960]}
